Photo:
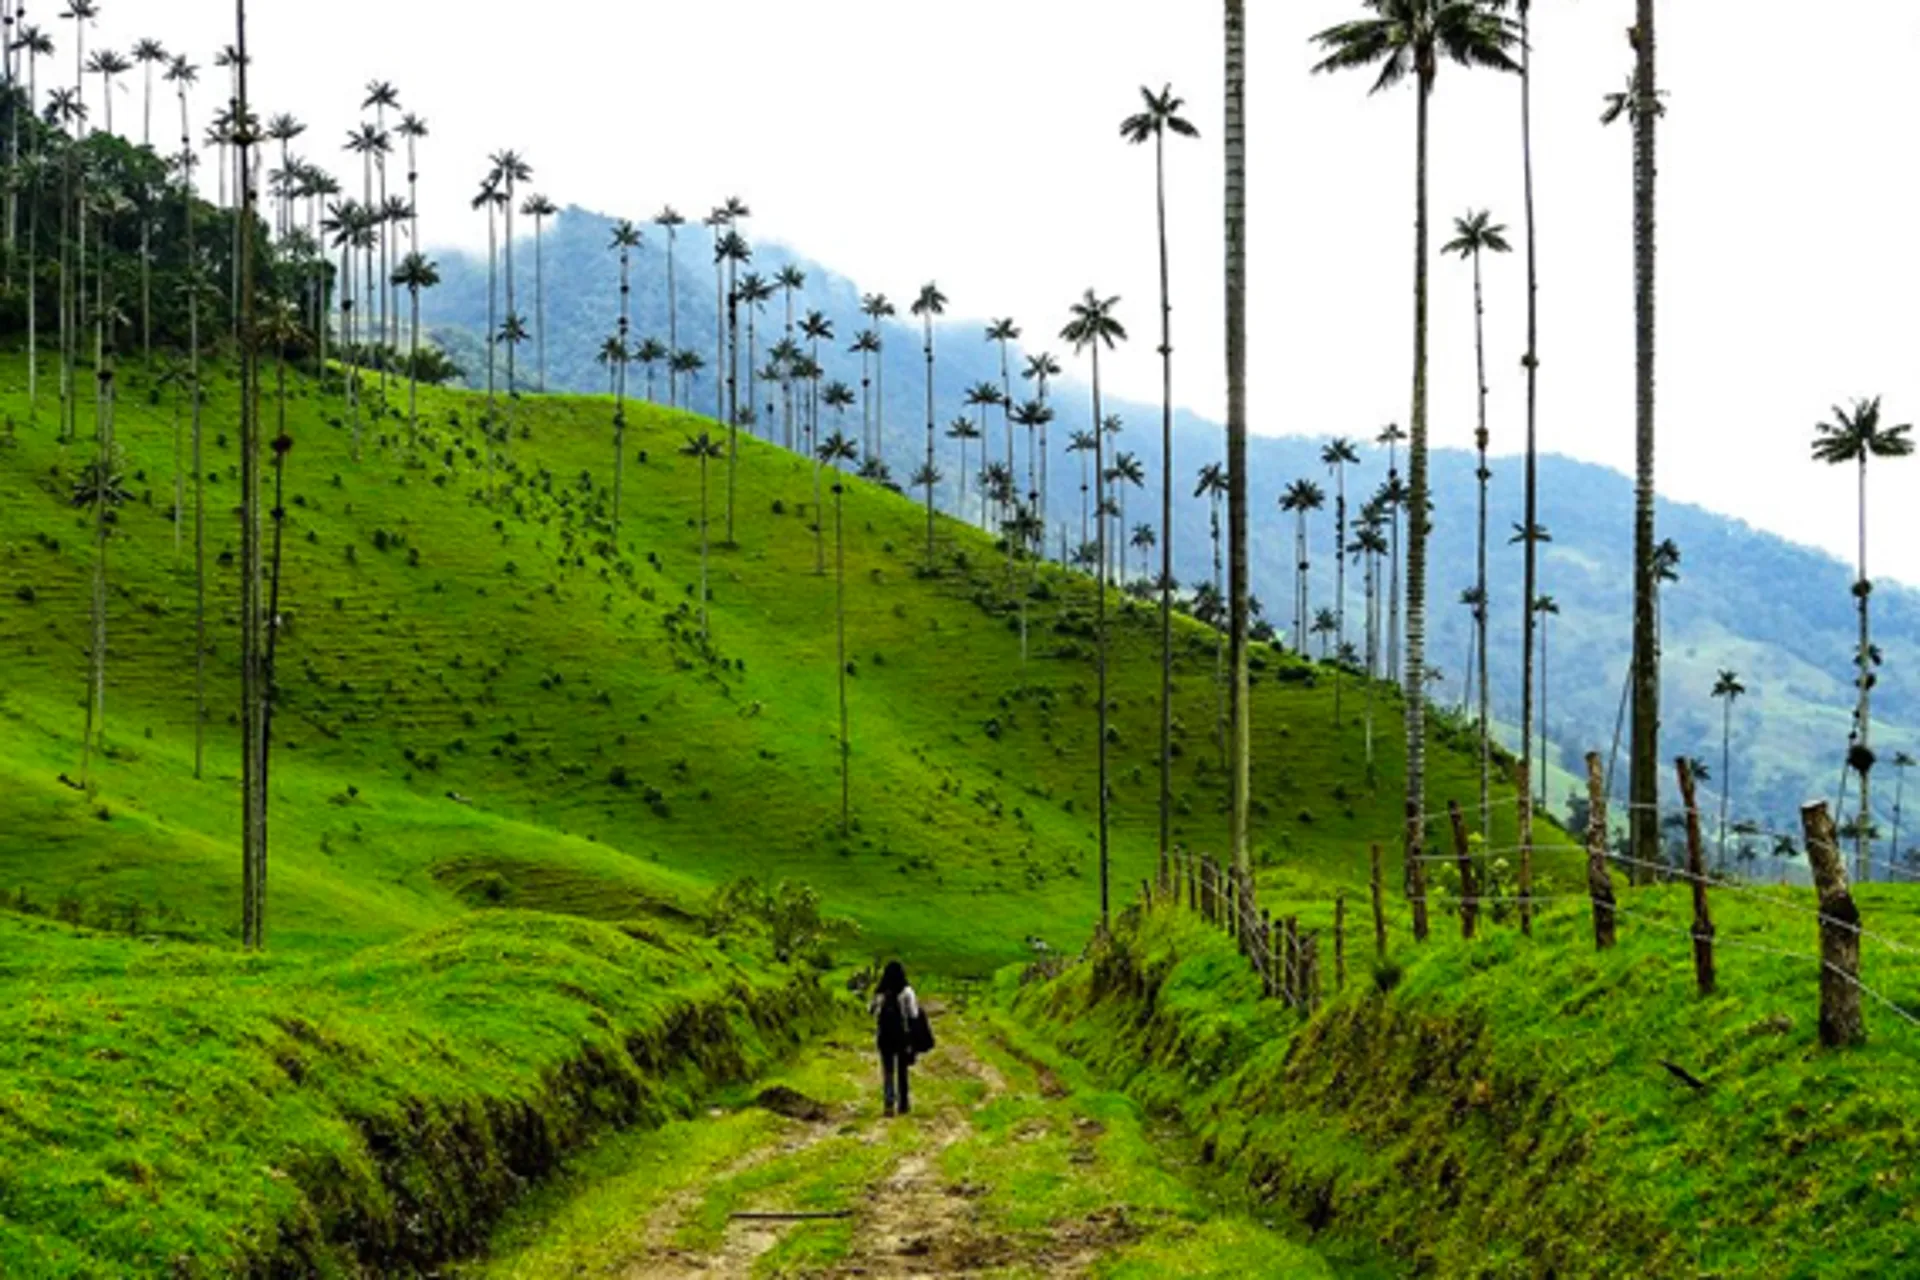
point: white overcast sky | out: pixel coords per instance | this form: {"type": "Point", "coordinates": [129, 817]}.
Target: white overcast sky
{"type": "Point", "coordinates": [975, 142]}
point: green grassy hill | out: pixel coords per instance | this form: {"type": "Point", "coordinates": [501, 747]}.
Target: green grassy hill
{"type": "Point", "coordinates": [487, 700]}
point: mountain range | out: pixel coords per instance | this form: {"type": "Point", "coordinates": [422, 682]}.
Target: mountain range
{"type": "Point", "coordinates": [1779, 614]}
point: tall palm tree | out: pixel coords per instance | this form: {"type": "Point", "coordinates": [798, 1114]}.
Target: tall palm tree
{"type": "Point", "coordinates": [343, 226]}
{"type": "Point", "coordinates": [1125, 473]}
{"type": "Point", "coordinates": [1372, 546]}
{"type": "Point", "coordinates": [1337, 455]}
{"type": "Point", "coordinates": [836, 450]}
{"type": "Point", "coordinates": [878, 309]}
{"type": "Point", "coordinates": [1393, 498]}
{"type": "Point", "coordinates": [415, 272]}
{"type": "Point", "coordinates": [626, 238]}
{"type": "Point", "coordinates": [1161, 114]}
{"type": "Point", "coordinates": [1901, 763]}
{"type": "Point", "coordinates": [1412, 37]}
{"type": "Point", "coordinates": [670, 220]}
{"type": "Point", "coordinates": [488, 198]}
{"type": "Point", "coordinates": [703, 448]}
{"type": "Point", "coordinates": [963, 429]}
{"type": "Point", "coordinates": [1300, 498]}
{"type": "Point", "coordinates": [1213, 487]}
{"type": "Point", "coordinates": [755, 292]}
{"type": "Point", "coordinates": [1026, 532]}
{"type": "Point", "coordinates": [283, 129]}
{"type": "Point", "coordinates": [539, 208]}
{"type": "Point", "coordinates": [732, 250]}
{"type": "Point", "coordinates": [1005, 332]}
{"type": "Point", "coordinates": [929, 304]}
{"type": "Point", "coordinates": [1084, 443]}
{"type": "Point", "coordinates": [686, 364]}
{"type": "Point", "coordinates": [382, 96]}
{"type": "Point", "coordinates": [253, 698]}
{"type": "Point", "coordinates": [108, 65]}
{"type": "Point", "coordinates": [839, 397]}
{"type": "Point", "coordinates": [612, 356]}
{"type": "Point", "coordinates": [1040, 368]}
{"type": "Point", "coordinates": [1238, 600]}
{"type": "Point", "coordinates": [650, 352]}
{"type": "Point", "coordinates": [1474, 235]}
{"type": "Point", "coordinates": [412, 128]}
{"type": "Point", "coordinates": [866, 345]}
{"type": "Point", "coordinates": [1094, 326]}
{"type": "Point", "coordinates": [1529, 584]}
{"type": "Point", "coordinates": [509, 169]}
{"type": "Point", "coordinates": [1854, 438]}
{"type": "Point", "coordinates": [982, 396]}
{"type": "Point", "coordinates": [146, 53]}
{"type": "Point", "coordinates": [1727, 688]}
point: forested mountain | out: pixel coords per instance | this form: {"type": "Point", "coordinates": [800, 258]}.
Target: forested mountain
{"type": "Point", "coordinates": [1778, 613]}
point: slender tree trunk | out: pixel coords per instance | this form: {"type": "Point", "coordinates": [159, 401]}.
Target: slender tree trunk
{"type": "Point", "coordinates": [1416, 685]}
{"type": "Point", "coordinates": [1863, 838]}
{"type": "Point", "coordinates": [706, 627]}
{"type": "Point", "coordinates": [1166, 514]}
{"type": "Point", "coordinates": [1726, 776]}
{"type": "Point", "coordinates": [253, 702]}
{"type": "Point", "coordinates": [1100, 633]}
{"type": "Point", "coordinates": [413, 366]}
{"type": "Point", "coordinates": [673, 323]}
{"type": "Point", "coordinates": [733, 400]}
{"type": "Point", "coordinates": [1236, 292]}
{"type": "Point", "coordinates": [929, 348]}
{"type": "Point", "coordinates": [1482, 611]}
{"type": "Point", "coordinates": [840, 629]}
{"type": "Point", "coordinates": [1644, 783]}
{"type": "Point", "coordinates": [618, 373]}
{"type": "Point", "coordinates": [540, 292]}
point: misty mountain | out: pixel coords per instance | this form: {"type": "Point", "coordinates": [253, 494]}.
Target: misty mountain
{"type": "Point", "coordinates": [1778, 613]}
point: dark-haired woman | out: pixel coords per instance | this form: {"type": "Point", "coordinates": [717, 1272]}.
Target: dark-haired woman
{"type": "Point", "coordinates": [894, 1008]}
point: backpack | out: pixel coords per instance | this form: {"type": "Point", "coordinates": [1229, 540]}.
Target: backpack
{"type": "Point", "coordinates": [920, 1034]}
{"type": "Point", "coordinates": [892, 1026]}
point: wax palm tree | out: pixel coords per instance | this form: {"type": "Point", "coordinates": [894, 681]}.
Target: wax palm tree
{"type": "Point", "coordinates": [412, 128]}
{"type": "Point", "coordinates": [1239, 600]}
{"type": "Point", "coordinates": [1901, 763]}
{"type": "Point", "coordinates": [539, 208]}
{"type": "Point", "coordinates": [1546, 607]}
{"type": "Point", "coordinates": [1005, 332]}
{"type": "Point", "coordinates": [717, 221]}
{"type": "Point", "coordinates": [1854, 437]}
{"type": "Point", "coordinates": [488, 197]}
{"type": "Point", "coordinates": [283, 129]}
{"type": "Point", "coordinates": [1086, 444]}
{"type": "Point", "coordinates": [866, 345]}
{"type": "Point", "coordinates": [1370, 543]}
{"type": "Point", "coordinates": [1040, 369]}
{"type": "Point", "coordinates": [982, 396]}
{"type": "Point", "coordinates": [100, 490]}
{"type": "Point", "coordinates": [1213, 487]}
{"type": "Point", "coordinates": [963, 429]}
{"type": "Point", "coordinates": [625, 239]}
{"type": "Point", "coordinates": [343, 226]}
{"type": "Point", "coordinates": [1412, 37]}
{"type": "Point", "coordinates": [929, 304]}
{"type": "Point", "coordinates": [1529, 585]}
{"type": "Point", "coordinates": [878, 310]}
{"type": "Point", "coordinates": [649, 353]}
{"type": "Point", "coordinates": [1144, 540]}
{"type": "Point", "coordinates": [755, 292]}
{"type": "Point", "coordinates": [836, 450]}
{"type": "Point", "coordinates": [415, 272]}
{"type": "Point", "coordinates": [1301, 498]}
{"type": "Point", "coordinates": [1727, 688]}
{"type": "Point", "coordinates": [704, 449]}
{"type": "Point", "coordinates": [1092, 327]}
{"type": "Point", "coordinates": [687, 364]}
{"type": "Point", "coordinates": [1024, 534]}
{"type": "Point", "coordinates": [670, 221]}
{"type": "Point", "coordinates": [832, 451]}
{"type": "Point", "coordinates": [1161, 115]}
{"type": "Point", "coordinates": [1126, 473]}
{"type": "Point", "coordinates": [509, 170]}
{"type": "Point", "coordinates": [108, 64]}
{"type": "Point", "coordinates": [1474, 235]}
{"type": "Point", "coordinates": [1477, 616]}
{"type": "Point", "coordinates": [732, 250]}
{"type": "Point", "coordinates": [1393, 499]}
{"type": "Point", "coordinates": [145, 54]}
{"type": "Point", "coordinates": [612, 356]}
{"type": "Point", "coordinates": [1337, 455]}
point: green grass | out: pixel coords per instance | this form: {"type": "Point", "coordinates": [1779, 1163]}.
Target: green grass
{"type": "Point", "coordinates": [177, 1109]}
{"type": "Point", "coordinates": [1504, 1109]}
{"type": "Point", "coordinates": [504, 649]}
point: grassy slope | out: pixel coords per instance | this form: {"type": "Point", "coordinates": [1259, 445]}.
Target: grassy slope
{"type": "Point", "coordinates": [520, 667]}
{"type": "Point", "coordinates": [179, 1109]}
{"type": "Point", "coordinates": [1503, 1109]}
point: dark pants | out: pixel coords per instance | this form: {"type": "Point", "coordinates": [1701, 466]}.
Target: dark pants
{"type": "Point", "coordinates": [893, 1076]}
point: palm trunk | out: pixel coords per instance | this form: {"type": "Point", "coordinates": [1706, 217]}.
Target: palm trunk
{"type": "Point", "coordinates": [1542, 781]}
{"type": "Point", "coordinates": [1166, 517]}
{"type": "Point", "coordinates": [733, 399]}
{"type": "Point", "coordinates": [540, 294]}
{"type": "Point", "coordinates": [840, 629]}
{"type": "Point", "coordinates": [1415, 678]}
{"type": "Point", "coordinates": [253, 699]}
{"type": "Point", "coordinates": [1219, 635]}
{"type": "Point", "coordinates": [929, 348]}
{"type": "Point", "coordinates": [199, 473]}
{"type": "Point", "coordinates": [706, 626]}
{"type": "Point", "coordinates": [1100, 629]}
{"type": "Point", "coordinates": [1644, 785]}
{"type": "Point", "coordinates": [1236, 293]}
{"type": "Point", "coordinates": [719, 329]}
{"type": "Point", "coordinates": [1484, 609]}
{"type": "Point", "coordinates": [493, 317]}
{"type": "Point", "coordinates": [617, 373]}
{"type": "Point", "coordinates": [346, 342]}
{"type": "Point", "coordinates": [513, 384]}
{"type": "Point", "coordinates": [673, 324]}
{"type": "Point", "coordinates": [1863, 841]}
{"type": "Point", "coordinates": [413, 366]}
{"type": "Point", "coordinates": [1726, 775]}
{"type": "Point", "coordinates": [271, 686]}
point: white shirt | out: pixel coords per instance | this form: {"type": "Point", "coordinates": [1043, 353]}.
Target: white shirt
{"type": "Point", "coordinates": [909, 1004]}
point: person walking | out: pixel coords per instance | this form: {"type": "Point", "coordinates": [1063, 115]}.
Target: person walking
{"type": "Point", "coordinates": [895, 1010]}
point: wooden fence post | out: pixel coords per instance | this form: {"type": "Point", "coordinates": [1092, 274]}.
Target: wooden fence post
{"type": "Point", "coordinates": [1293, 961]}
{"type": "Point", "coordinates": [1340, 941]}
{"type": "Point", "coordinates": [1277, 955]}
{"type": "Point", "coordinates": [1233, 905]}
{"type": "Point", "coordinates": [1526, 848]}
{"type": "Point", "coordinates": [1263, 948]}
{"type": "Point", "coordinates": [1379, 906]}
{"type": "Point", "coordinates": [1206, 889]}
{"type": "Point", "coordinates": [1697, 874]}
{"type": "Point", "coordinates": [1469, 903]}
{"type": "Point", "coordinates": [1599, 879]}
{"type": "Point", "coordinates": [1193, 896]}
{"type": "Point", "coordinates": [1416, 869]}
{"type": "Point", "coordinates": [1840, 1020]}
{"type": "Point", "coordinates": [1310, 966]}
